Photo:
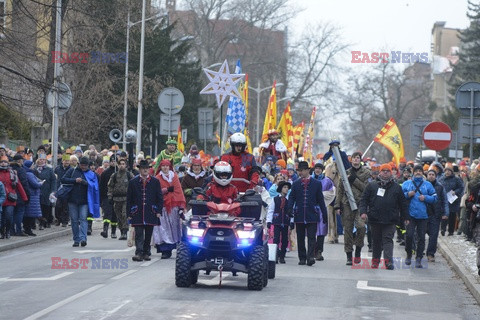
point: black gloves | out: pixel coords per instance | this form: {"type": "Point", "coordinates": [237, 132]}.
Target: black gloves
{"type": "Point", "coordinates": [269, 224]}
{"type": "Point", "coordinates": [292, 226]}
{"type": "Point", "coordinates": [170, 189]}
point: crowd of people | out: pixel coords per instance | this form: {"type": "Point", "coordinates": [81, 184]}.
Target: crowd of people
{"type": "Point", "coordinates": [373, 202]}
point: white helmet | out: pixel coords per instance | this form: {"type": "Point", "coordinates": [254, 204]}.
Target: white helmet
{"type": "Point", "coordinates": [222, 173]}
{"type": "Point", "coordinates": [238, 139]}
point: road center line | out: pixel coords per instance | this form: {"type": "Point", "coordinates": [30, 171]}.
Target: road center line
{"type": "Point", "coordinates": [146, 264]}
{"type": "Point", "coordinates": [57, 305]}
{"type": "Point", "coordinates": [121, 275]}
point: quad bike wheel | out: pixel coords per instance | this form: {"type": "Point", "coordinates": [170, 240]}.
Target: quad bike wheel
{"type": "Point", "coordinates": [183, 275]}
{"type": "Point", "coordinates": [256, 269]}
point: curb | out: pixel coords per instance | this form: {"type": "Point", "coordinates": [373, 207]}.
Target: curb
{"type": "Point", "coordinates": [470, 282]}
{"type": "Point", "coordinates": [33, 240]}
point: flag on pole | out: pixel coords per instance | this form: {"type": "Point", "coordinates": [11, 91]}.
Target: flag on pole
{"type": "Point", "coordinates": [180, 145]}
{"type": "Point", "coordinates": [217, 136]}
{"type": "Point", "coordinates": [271, 115]}
{"type": "Point", "coordinates": [297, 137]}
{"type": "Point", "coordinates": [390, 137]}
{"type": "Point", "coordinates": [245, 103]}
{"type": "Point", "coordinates": [308, 148]}
{"type": "Point", "coordinates": [285, 128]}
{"type": "Point", "coordinates": [236, 113]}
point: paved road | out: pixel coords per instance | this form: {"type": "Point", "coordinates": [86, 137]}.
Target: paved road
{"type": "Point", "coordinates": [31, 289]}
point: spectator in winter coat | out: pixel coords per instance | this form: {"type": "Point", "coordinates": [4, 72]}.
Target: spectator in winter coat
{"type": "Point", "coordinates": [277, 215]}
{"type": "Point", "coordinates": [13, 190]}
{"type": "Point", "coordinates": [3, 196]}
{"type": "Point", "coordinates": [83, 198]}
{"type": "Point", "coordinates": [454, 187]}
{"type": "Point", "coordinates": [385, 205]}
{"type": "Point", "coordinates": [61, 209]}
{"type": "Point", "coordinates": [437, 212]}
{"type": "Point", "coordinates": [19, 212]}
{"type": "Point", "coordinates": [33, 210]}
{"type": "Point", "coordinates": [44, 172]}
{"type": "Point", "coordinates": [420, 193]}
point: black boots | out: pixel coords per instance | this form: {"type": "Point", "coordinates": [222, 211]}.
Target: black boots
{"type": "Point", "coordinates": [104, 233]}
{"type": "Point", "coordinates": [114, 230]}
{"type": "Point", "coordinates": [358, 252]}
{"type": "Point", "coordinates": [349, 259]}
{"type": "Point", "coordinates": [123, 235]}
{"type": "Point", "coordinates": [89, 229]}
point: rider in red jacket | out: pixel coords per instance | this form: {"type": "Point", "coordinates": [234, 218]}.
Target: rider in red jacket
{"type": "Point", "coordinates": [220, 190]}
{"type": "Point", "coordinates": [245, 170]}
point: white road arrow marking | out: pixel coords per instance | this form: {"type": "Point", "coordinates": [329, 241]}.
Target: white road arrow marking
{"type": "Point", "coordinates": [58, 276]}
{"type": "Point", "coordinates": [363, 285]}
{"type": "Point", "coordinates": [146, 264]}
{"type": "Point", "coordinates": [105, 251]}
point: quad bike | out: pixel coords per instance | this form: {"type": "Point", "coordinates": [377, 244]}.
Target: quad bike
{"type": "Point", "coordinates": [225, 238]}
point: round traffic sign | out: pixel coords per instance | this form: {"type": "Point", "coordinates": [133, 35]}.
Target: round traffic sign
{"type": "Point", "coordinates": [437, 136]}
{"type": "Point", "coordinates": [171, 100]}
{"type": "Point", "coordinates": [64, 98]}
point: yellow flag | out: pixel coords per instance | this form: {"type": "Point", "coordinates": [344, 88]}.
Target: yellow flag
{"type": "Point", "coordinates": [297, 137]}
{"type": "Point", "coordinates": [271, 115]}
{"type": "Point", "coordinates": [180, 145]}
{"type": "Point", "coordinates": [390, 137]}
{"type": "Point", "coordinates": [285, 128]}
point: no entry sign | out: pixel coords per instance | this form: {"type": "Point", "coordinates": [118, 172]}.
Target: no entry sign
{"type": "Point", "coordinates": [437, 136]}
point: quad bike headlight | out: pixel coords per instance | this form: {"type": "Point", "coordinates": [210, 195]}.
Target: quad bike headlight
{"type": "Point", "coordinates": [242, 234]}
{"type": "Point", "coordinates": [195, 232]}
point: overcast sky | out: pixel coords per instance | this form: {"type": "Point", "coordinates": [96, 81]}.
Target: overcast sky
{"type": "Point", "coordinates": [374, 25]}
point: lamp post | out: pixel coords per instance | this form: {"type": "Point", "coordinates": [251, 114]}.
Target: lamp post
{"type": "Point", "coordinates": [258, 91]}
{"type": "Point", "coordinates": [125, 102]}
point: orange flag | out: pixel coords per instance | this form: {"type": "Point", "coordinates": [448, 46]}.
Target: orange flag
{"type": "Point", "coordinates": [180, 145]}
{"type": "Point", "coordinates": [271, 115]}
{"type": "Point", "coordinates": [285, 128]}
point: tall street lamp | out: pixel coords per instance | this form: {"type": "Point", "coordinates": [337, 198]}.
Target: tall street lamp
{"type": "Point", "coordinates": [125, 102]}
{"type": "Point", "coordinates": [258, 91]}
{"type": "Point", "coordinates": [140, 83]}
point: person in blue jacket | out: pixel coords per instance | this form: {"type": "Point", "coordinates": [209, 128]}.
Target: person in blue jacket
{"type": "Point", "coordinates": [329, 153]}
{"type": "Point", "coordinates": [307, 204]}
{"type": "Point", "coordinates": [420, 193]}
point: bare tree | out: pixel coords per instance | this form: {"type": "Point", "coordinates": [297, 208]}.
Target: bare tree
{"type": "Point", "coordinates": [381, 93]}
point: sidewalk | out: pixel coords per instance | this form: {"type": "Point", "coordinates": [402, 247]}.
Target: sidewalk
{"type": "Point", "coordinates": [43, 235]}
{"type": "Point", "coordinates": [461, 255]}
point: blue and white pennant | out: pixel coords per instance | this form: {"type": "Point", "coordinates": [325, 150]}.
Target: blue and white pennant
{"type": "Point", "coordinates": [236, 110]}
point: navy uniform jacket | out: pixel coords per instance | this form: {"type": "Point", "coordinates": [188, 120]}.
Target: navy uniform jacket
{"type": "Point", "coordinates": [144, 201]}
{"type": "Point", "coordinates": [306, 201]}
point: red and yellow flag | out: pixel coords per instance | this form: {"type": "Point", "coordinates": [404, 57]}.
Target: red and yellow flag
{"type": "Point", "coordinates": [285, 128]}
{"type": "Point", "coordinates": [298, 137]}
{"type": "Point", "coordinates": [390, 137]}
{"type": "Point", "coordinates": [308, 148]}
{"type": "Point", "coordinates": [271, 115]}
{"type": "Point", "coordinates": [180, 145]}
{"type": "Point", "coordinates": [217, 136]}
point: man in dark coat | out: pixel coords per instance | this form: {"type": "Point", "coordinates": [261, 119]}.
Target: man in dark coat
{"type": "Point", "coordinates": [109, 216]}
{"type": "Point", "coordinates": [61, 209]}
{"type": "Point", "coordinates": [454, 186]}
{"type": "Point", "coordinates": [437, 212]}
{"type": "Point", "coordinates": [307, 204]}
{"type": "Point", "coordinates": [19, 211]}
{"type": "Point", "coordinates": [144, 208]}
{"type": "Point", "coordinates": [385, 205]}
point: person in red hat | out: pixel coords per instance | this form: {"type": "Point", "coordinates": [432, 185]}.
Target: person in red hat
{"type": "Point", "coordinates": [195, 177]}
{"type": "Point", "coordinates": [273, 146]}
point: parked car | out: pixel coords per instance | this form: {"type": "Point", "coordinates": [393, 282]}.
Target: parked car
{"type": "Point", "coordinates": [427, 156]}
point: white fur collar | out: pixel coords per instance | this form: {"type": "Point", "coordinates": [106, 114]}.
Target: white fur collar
{"type": "Point", "coordinates": [279, 145]}
{"type": "Point", "coordinates": [196, 176]}
{"type": "Point", "coordinates": [168, 178]}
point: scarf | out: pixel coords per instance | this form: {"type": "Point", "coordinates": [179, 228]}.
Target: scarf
{"type": "Point", "coordinates": [168, 178]}
{"type": "Point", "coordinates": [93, 193]}
{"type": "Point", "coordinates": [384, 182]}
{"type": "Point", "coordinates": [196, 176]}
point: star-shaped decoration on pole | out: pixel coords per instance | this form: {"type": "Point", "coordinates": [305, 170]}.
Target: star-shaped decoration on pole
{"type": "Point", "coordinates": [222, 83]}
